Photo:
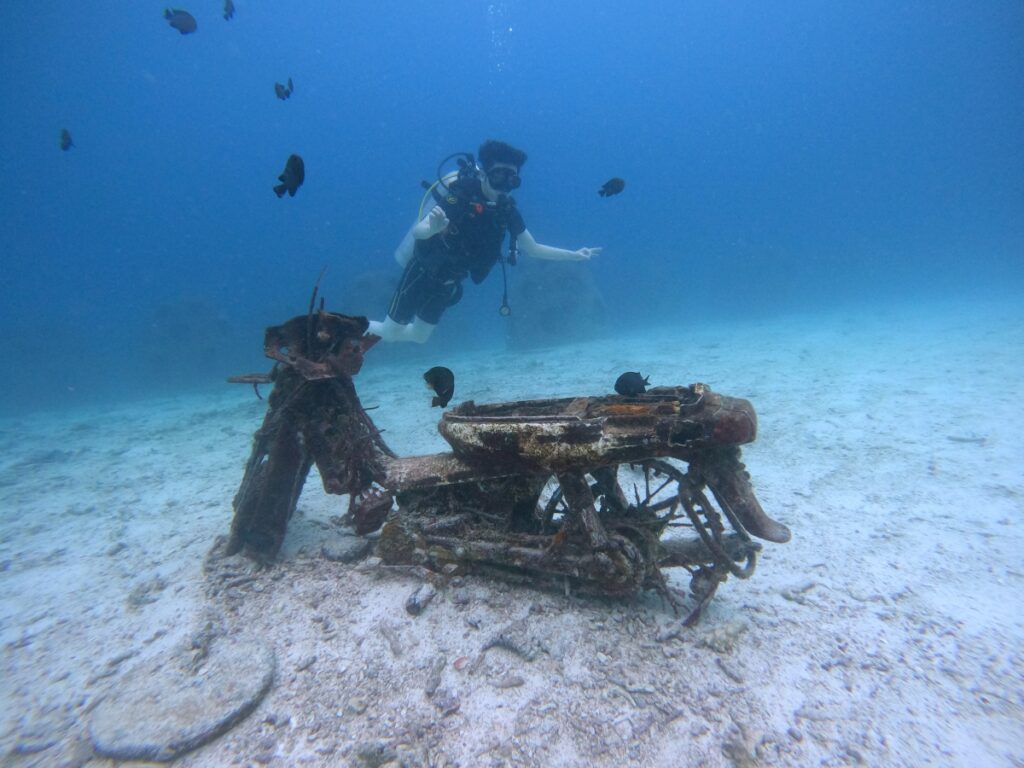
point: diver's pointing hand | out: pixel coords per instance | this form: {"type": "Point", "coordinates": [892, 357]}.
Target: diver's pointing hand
{"type": "Point", "coordinates": [585, 254]}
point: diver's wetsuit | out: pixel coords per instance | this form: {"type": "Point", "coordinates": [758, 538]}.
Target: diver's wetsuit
{"type": "Point", "coordinates": [471, 245]}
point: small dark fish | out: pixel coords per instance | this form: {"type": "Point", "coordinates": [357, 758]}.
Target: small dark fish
{"type": "Point", "coordinates": [631, 383]}
{"type": "Point", "coordinates": [442, 381]}
{"type": "Point", "coordinates": [284, 91]}
{"type": "Point", "coordinates": [183, 21]}
{"type": "Point", "coordinates": [229, 9]}
{"type": "Point", "coordinates": [292, 178]}
{"type": "Point", "coordinates": [65, 139]}
{"type": "Point", "coordinates": [612, 187]}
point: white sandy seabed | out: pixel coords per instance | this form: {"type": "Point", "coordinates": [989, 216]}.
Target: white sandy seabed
{"type": "Point", "coordinates": [888, 632]}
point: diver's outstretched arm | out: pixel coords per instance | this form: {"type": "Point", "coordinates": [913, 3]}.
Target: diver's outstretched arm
{"type": "Point", "coordinates": [528, 245]}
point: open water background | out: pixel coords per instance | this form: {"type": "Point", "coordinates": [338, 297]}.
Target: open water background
{"type": "Point", "coordinates": [780, 158]}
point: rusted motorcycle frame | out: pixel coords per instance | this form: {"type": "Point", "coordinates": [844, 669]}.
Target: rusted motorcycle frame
{"type": "Point", "coordinates": [585, 493]}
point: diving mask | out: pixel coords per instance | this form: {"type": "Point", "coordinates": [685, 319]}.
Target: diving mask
{"type": "Point", "coordinates": [503, 178]}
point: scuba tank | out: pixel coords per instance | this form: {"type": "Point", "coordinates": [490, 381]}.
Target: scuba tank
{"type": "Point", "coordinates": [450, 190]}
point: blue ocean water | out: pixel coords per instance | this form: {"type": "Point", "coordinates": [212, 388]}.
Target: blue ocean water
{"type": "Point", "coordinates": [783, 157]}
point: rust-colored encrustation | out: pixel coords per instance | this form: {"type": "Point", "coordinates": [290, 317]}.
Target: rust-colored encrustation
{"type": "Point", "coordinates": [576, 493]}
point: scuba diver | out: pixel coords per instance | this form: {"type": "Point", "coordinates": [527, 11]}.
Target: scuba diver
{"type": "Point", "coordinates": [462, 236]}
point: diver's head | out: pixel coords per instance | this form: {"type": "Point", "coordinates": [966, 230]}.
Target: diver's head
{"type": "Point", "coordinates": [501, 163]}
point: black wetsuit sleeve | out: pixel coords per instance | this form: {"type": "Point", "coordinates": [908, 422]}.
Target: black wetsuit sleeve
{"type": "Point", "coordinates": [516, 225]}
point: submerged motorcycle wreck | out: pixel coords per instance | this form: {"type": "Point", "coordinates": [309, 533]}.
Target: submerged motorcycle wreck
{"type": "Point", "coordinates": [593, 494]}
